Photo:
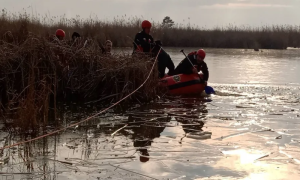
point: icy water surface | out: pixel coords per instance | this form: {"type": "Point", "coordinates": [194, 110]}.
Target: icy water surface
{"type": "Point", "coordinates": [249, 130]}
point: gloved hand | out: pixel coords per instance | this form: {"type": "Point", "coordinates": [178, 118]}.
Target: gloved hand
{"type": "Point", "coordinates": [195, 71]}
{"type": "Point", "coordinates": [201, 76]}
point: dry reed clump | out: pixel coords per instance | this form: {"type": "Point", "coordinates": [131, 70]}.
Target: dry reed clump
{"type": "Point", "coordinates": [38, 73]}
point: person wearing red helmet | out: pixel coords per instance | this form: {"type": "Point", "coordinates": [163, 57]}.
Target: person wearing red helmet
{"type": "Point", "coordinates": [60, 34]}
{"type": "Point", "coordinates": [143, 41]}
{"type": "Point", "coordinates": [197, 59]}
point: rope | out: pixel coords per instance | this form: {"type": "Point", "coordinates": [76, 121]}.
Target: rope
{"type": "Point", "coordinates": [87, 119]}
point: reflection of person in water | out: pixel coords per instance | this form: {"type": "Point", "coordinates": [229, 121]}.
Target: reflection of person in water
{"type": "Point", "coordinates": [189, 128]}
{"type": "Point", "coordinates": [144, 158]}
{"type": "Point", "coordinates": [144, 135]}
{"type": "Point", "coordinates": [201, 112]}
{"type": "Point", "coordinates": [145, 132]}
{"type": "Point", "coordinates": [190, 117]}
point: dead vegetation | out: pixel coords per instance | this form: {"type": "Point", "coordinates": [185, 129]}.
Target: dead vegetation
{"type": "Point", "coordinates": [37, 72]}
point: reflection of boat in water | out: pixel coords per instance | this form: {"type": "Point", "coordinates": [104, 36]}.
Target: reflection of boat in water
{"type": "Point", "coordinates": [183, 84]}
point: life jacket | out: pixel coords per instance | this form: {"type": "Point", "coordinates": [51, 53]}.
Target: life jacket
{"type": "Point", "coordinates": [143, 38]}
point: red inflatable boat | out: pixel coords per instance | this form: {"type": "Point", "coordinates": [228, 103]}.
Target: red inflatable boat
{"type": "Point", "coordinates": [183, 84]}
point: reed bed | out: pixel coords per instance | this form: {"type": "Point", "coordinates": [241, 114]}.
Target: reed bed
{"type": "Point", "coordinates": [38, 72]}
{"type": "Point", "coordinates": [179, 35]}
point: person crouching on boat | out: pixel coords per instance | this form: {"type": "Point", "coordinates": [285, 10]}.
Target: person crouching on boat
{"type": "Point", "coordinates": [163, 60]}
{"type": "Point", "coordinates": [197, 59]}
{"type": "Point", "coordinates": [143, 41]}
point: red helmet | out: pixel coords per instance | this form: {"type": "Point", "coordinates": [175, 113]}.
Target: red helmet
{"type": "Point", "coordinates": [60, 32]}
{"type": "Point", "coordinates": [146, 24]}
{"type": "Point", "coordinates": [201, 53]}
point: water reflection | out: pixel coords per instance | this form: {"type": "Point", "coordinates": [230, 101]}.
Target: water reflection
{"type": "Point", "coordinates": [92, 143]}
{"type": "Point", "coordinates": [245, 132]}
{"type": "Point", "coordinates": [144, 132]}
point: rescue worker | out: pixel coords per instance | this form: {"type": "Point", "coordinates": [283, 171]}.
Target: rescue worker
{"type": "Point", "coordinates": [75, 37]}
{"type": "Point", "coordinates": [60, 34]}
{"type": "Point", "coordinates": [197, 59]}
{"type": "Point", "coordinates": [163, 60]}
{"type": "Point", "coordinates": [76, 40]}
{"type": "Point", "coordinates": [58, 38]}
{"type": "Point", "coordinates": [143, 41]}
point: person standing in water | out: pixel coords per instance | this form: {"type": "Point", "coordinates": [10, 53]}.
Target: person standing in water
{"type": "Point", "coordinates": [143, 41]}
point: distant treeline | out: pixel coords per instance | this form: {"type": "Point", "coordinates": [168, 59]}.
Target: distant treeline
{"type": "Point", "coordinates": [121, 28]}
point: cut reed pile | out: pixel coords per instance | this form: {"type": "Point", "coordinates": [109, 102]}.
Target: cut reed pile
{"type": "Point", "coordinates": [37, 73]}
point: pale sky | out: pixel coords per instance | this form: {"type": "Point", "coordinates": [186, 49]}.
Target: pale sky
{"type": "Point", "coordinates": [204, 13]}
